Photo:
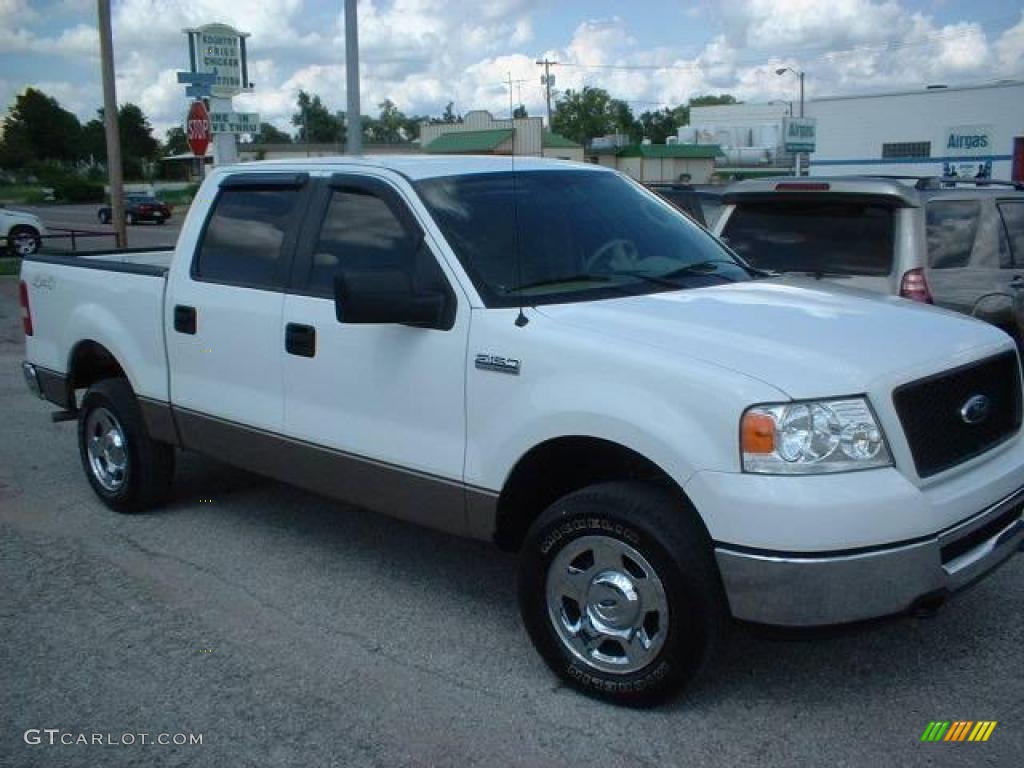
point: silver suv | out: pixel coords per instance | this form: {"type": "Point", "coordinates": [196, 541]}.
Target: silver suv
{"type": "Point", "coordinates": [952, 242]}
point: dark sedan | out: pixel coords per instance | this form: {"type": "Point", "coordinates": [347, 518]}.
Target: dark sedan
{"type": "Point", "coordinates": [139, 208]}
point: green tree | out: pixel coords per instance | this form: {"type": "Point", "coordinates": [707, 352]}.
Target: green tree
{"type": "Point", "coordinates": [270, 134]}
{"type": "Point", "coordinates": [388, 127]}
{"type": "Point", "coordinates": [659, 124]}
{"type": "Point", "coordinates": [94, 140]}
{"type": "Point", "coordinates": [520, 111]}
{"type": "Point", "coordinates": [36, 130]}
{"type": "Point", "coordinates": [137, 140]}
{"type": "Point", "coordinates": [586, 114]}
{"type": "Point", "coordinates": [315, 123]}
{"type": "Point", "coordinates": [449, 115]}
{"type": "Point", "coordinates": [710, 100]}
{"type": "Point", "coordinates": [176, 142]}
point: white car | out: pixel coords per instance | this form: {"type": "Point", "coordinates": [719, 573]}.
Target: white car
{"type": "Point", "coordinates": [21, 232]}
{"type": "Point", "coordinates": [549, 357]}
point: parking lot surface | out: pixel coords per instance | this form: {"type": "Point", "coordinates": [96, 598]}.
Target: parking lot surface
{"type": "Point", "coordinates": [84, 217]}
{"type": "Point", "coordinates": [290, 630]}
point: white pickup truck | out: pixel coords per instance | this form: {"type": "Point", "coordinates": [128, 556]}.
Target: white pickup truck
{"type": "Point", "coordinates": [547, 356]}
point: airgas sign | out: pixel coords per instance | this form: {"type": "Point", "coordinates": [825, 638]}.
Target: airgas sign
{"type": "Point", "coordinates": [799, 133]}
{"type": "Point", "coordinates": [968, 141]}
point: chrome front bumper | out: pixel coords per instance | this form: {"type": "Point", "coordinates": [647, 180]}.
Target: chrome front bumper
{"type": "Point", "coordinates": [840, 587]}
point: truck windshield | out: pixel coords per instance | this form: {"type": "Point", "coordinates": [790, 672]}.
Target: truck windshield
{"type": "Point", "coordinates": [815, 236]}
{"type": "Point", "coordinates": [543, 237]}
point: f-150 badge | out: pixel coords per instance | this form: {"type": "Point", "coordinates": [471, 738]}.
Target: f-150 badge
{"type": "Point", "coordinates": [497, 363]}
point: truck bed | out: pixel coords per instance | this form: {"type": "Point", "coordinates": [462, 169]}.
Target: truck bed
{"type": "Point", "coordinates": [114, 299]}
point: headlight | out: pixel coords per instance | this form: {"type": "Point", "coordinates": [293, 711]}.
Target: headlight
{"type": "Point", "coordinates": [812, 437]}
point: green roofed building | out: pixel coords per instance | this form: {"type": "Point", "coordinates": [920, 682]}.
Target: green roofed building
{"type": "Point", "coordinates": [659, 162]}
{"type": "Point", "coordinates": [480, 133]}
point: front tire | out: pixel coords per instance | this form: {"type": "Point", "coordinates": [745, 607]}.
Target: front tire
{"type": "Point", "coordinates": [128, 471]}
{"type": "Point", "coordinates": [620, 594]}
{"type": "Point", "coordinates": [23, 240]}
{"type": "Point", "coordinates": [104, 217]}
{"type": "Point", "coordinates": [129, 218]}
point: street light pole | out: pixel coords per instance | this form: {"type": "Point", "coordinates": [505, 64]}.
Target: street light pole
{"type": "Point", "coordinates": [113, 135]}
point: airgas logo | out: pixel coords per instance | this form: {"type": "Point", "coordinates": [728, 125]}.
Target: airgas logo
{"type": "Point", "coordinates": [958, 730]}
{"type": "Point", "coordinates": [969, 140]}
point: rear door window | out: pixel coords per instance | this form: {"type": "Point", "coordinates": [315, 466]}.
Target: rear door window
{"type": "Point", "coordinates": [849, 238]}
{"type": "Point", "coordinates": [245, 239]}
{"type": "Point", "coordinates": [1013, 221]}
{"type": "Point", "coordinates": [952, 228]}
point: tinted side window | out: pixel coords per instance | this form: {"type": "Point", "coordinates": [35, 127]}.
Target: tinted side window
{"type": "Point", "coordinates": [360, 233]}
{"type": "Point", "coordinates": [952, 226]}
{"type": "Point", "coordinates": [244, 239]}
{"type": "Point", "coordinates": [1013, 219]}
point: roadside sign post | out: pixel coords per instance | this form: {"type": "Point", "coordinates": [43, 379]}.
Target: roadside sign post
{"type": "Point", "coordinates": [219, 71]}
{"type": "Point", "coordinates": [800, 136]}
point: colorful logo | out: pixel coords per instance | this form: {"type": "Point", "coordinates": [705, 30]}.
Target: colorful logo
{"type": "Point", "coordinates": [958, 730]}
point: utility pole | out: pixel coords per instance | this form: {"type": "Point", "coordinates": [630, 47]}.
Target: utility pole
{"type": "Point", "coordinates": [113, 134]}
{"type": "Point", "coordinates": [354, 119]}
{"type": "Point", "coordinates": [511, 109]}
{"type": "Point", "coordinates": [547, 81]}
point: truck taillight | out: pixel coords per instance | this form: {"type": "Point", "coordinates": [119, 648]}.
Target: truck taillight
{"type": "Point", "coordinates": [26, 313]}
{"type": "Point", "coordinates": [915, 287]}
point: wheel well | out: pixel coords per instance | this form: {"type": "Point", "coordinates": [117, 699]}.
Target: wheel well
{"type": "Point", "coordinates": [555, 469]}
{"type": "Point", "coordinates": [91, 362]}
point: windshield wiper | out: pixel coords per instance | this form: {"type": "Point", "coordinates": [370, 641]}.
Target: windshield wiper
{"type": "Point", "coordinates": [582, 277]}
{"type": "Point", "coordinates": [817, 274]}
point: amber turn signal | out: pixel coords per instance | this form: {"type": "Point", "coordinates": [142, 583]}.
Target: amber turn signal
{"type": "Point", "coordinates": [757, 433]}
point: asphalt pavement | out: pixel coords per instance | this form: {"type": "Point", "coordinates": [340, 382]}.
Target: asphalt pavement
{"type": "Point", "coordinates": [289, 630]}
{"type": "Point", "coordinates": [84, 218]}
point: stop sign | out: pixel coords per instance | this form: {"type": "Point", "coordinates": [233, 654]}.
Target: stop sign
{"type": "Point", "coordinates": [197, 128]}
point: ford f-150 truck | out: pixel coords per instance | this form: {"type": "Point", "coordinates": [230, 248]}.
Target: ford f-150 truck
{"type": "Point", "coordinates": [549, 357]}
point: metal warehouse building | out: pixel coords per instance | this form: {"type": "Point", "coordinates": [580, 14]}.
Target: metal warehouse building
{"type": "Point", "coordinates": [930, 131]}
{"type": "Point", "coordinates": [961, 130]}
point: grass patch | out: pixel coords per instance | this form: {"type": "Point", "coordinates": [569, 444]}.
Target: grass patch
{"type": "Point", "coordinates": [26, 194]}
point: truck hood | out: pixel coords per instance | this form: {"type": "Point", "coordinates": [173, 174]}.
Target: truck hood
{"type": "Point", "coordinates": [806, 338]}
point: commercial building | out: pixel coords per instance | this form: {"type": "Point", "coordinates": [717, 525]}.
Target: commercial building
{"type": "Point", "coordinates": [481, 133]}
{"type": "Point", "coordinates": [972, 130]}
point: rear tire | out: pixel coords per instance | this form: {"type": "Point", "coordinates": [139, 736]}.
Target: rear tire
{"type": "Point", "coordinates": [128, 470]}
{"type": "Point", "coordinates": [104, 217]}
{"type": "Point", "coordinates": [620, 594]}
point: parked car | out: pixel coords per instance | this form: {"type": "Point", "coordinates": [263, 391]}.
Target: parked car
{"type": "Point", "coordinates": [557, 361]}
{"type": "Point", "coordinates": [682, 196]}
{"type": "Point", "coordinates": [22, 232]}
{"type": "Point", "coordinates": [953, 242]}
{"type": "Point", "coordinates": [139, 208]}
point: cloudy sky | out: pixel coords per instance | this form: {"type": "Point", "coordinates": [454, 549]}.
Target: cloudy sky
{"type": "Point", "coordinates": [424, 53]}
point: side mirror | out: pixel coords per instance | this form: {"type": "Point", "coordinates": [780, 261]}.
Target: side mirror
{"type": "Point", "coordinates": [387, 297]}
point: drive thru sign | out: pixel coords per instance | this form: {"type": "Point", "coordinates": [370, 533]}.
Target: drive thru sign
{"type": "Point", "coordinates": [197, 128]}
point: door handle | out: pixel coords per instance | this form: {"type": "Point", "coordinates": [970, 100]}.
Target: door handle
{"type": "Point", "coordinates": [300, 340]}
{"type": "Point", "coordinates": [1017, 282]}
{"type": "Point", "coordinates": [185, 319]}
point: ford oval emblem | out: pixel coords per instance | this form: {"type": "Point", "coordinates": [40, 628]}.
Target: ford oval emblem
{"type": "Point", "coordinates": [976, 409]}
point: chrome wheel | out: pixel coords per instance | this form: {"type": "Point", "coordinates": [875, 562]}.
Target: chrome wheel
{"type": "Point", "coordinates": [25, 244]}
{"type": "Point", "coordinates": [607, 604]}
{"type": "Point", "coordinates": [106, 448]}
